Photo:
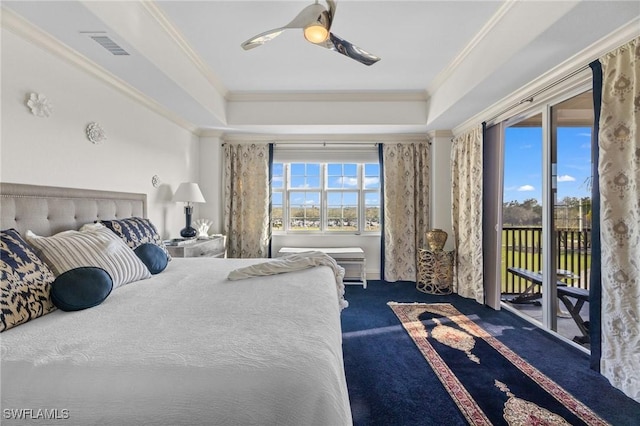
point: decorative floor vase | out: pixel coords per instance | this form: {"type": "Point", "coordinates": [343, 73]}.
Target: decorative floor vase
{"type": "Point", "coordinates": [436, 239]}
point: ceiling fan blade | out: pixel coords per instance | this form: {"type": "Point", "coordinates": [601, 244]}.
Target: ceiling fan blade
{"type": "Point", "coordinates": [262, 38]}
{"type": "Point", "coordinates": [352, 51]}
{"type": "Point", "coordinates": [301, 20]}
{"type": "Point", "coordinates": [332, 8]}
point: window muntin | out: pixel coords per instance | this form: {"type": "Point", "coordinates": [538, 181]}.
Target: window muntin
{"type": "Point", "coordinates": [326, 197]}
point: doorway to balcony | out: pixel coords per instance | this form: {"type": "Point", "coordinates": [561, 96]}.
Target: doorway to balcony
{"type": "Point", "coordinates": [546, 216]}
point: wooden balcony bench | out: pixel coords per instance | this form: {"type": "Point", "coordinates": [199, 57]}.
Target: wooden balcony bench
{"type": "Point", "coordinates": [565, 294]}
{"type": "Point", "coordinates": [581, 296]}
{"type": "Point", "coordinates": [344, 256]}
{"type": "Point", "coordinates": [534, 278]}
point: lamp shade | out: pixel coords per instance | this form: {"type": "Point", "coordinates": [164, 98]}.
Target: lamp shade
{"type": "Point", "coordinates": [188, 192]}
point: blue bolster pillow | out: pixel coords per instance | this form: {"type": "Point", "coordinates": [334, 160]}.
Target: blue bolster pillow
{"type": "Point", "coordinates": [154, 258]}
{"type": "Point", "coordinates": [81, 288]}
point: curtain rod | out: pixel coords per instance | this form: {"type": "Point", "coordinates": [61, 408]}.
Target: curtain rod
{"type": "Point", "coordinates": [313, 143]}
{"type": "Point", "coordinates": [530, 98]}
{"type": "Point", "coordinates": [326, 144]}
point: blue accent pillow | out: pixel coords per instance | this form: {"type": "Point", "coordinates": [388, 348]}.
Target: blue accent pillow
{"type": "Point", "coordinates": [152, 256]}
{"type": "Point", "coordinates": [81, 288]}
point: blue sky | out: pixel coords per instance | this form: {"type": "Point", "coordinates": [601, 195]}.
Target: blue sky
{"type": "Point", "coordinates": [523, 163]}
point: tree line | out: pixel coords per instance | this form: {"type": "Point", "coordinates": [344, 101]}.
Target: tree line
{"type": "Point", "coordinates": [569, 213]}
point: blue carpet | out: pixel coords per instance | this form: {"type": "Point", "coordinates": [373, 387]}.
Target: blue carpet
{"type": "Point", "coordinates": [390, 383]}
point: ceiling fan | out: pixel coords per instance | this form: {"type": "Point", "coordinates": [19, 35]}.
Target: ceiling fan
{"type": "Point", "coordinates": [315, 21]}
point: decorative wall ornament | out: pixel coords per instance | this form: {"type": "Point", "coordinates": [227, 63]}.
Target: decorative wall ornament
{"type": "Point", "coordinates": [95, 133]}
{"type": "Point", "coordinates": [155, 181]}
{"type": "Point", "coordinates": [39, 105]}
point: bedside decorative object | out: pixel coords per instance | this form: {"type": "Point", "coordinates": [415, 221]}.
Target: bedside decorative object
{"type": "Point", "coordinates": [155, 181]}
{"type": "Point", "coordinates": [211, 247]}
{"type": "Point", "coordinates": [39, 105]}
{"type": "Point", "coordinates": [436, 239]}
{"type": "Point", "coordinates": [435, 271]}
{"type": "Point", "coordinates": [95, 133]}
{"type": "Point", "coordinates": [188, 193]}
{"type": "Point", "coordinates": [203, 225]}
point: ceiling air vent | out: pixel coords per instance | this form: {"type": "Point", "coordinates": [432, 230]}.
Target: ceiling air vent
{"type": "Point", "coordinates": [110, 45]}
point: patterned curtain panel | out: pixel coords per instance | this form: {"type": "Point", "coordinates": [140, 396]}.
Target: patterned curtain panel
{"type": "Point", "coordinates": [246, 199]}
{"type": "Point", "coordinates": [466, 198]}
{"type": "Point", "coordinates": [619, 169]}
{"type": "Point", "coordinates": [406, 207]}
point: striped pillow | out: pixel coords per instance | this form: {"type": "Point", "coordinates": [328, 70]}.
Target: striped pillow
{"type": "Point", "coordinates": [95, 247]}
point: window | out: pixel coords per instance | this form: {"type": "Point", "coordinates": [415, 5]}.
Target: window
{"type": "Point", "coordinates": [326, 197]}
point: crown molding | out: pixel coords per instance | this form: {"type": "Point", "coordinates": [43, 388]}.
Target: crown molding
{"type": "Point", "coordinates": [475, 41]}
{"type": "Point", "coordinates": [347, 138]}
{"type": "Point", "coordinates": [342, 96]}
{"type": "Point", "coordinates": [161, 18]}
{"type": "Point", "coordinates": [24, 29]}
{"type": "Point", "coordinates": [582, 59]}
{"type": "Point", "coordinates": [210, 133]}
{"type": "Point", "coordinates": [433, 134]}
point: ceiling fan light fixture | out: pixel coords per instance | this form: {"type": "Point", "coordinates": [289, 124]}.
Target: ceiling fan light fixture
{"type": "Point", "coordinates": [316, 33]}
{"type": "Point", "coordinates": [315, 22]}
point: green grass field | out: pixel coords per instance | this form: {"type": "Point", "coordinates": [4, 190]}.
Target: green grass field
{"type": "Point", "coordinates": [522, 249]}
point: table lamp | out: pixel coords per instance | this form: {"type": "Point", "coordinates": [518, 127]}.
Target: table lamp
{"type": "Point", "coordinates": [188, 193]}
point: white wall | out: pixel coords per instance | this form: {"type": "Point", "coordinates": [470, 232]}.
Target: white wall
{"type": "Point", "coordinates": [210, 179]}
{"type": "Point", "coordinates": [55, 151]}
{"type": "Point", "coordinates": [440, 215]}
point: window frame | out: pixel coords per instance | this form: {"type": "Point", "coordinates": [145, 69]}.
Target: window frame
{"type": "Point", "coordinates": [285, 190]}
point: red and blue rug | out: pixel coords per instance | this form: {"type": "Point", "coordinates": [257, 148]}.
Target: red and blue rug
{"type": "Point", "coordinates": [490, 384]}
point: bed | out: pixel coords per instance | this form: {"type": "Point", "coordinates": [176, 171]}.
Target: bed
{"type": "Point", "coordinates": [185, 346]}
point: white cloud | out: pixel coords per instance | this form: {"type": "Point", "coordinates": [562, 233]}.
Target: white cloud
{"type": "Point", "coordinates": [566, 178]}
{"type": "Point", "coordinates": [371, 181]}
{"type": "Point", "coordinates": [526, 188]}
{"type": "Point", "coordinates": [347, 181]}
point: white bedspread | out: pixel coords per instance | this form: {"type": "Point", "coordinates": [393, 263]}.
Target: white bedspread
{"type": "Point", "coordinates": [186, 347]}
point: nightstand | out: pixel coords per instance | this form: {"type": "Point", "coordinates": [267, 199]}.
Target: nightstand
{"type": "Point", "coordinates": [212, 247]}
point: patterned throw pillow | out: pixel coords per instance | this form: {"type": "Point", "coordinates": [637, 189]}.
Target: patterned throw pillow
{"type": "Point", "coordinates": [136, 231]}
{"type": "Point", "coordinates": [94, 247]}
{"type": "Point", "coordinates": [26, 282]}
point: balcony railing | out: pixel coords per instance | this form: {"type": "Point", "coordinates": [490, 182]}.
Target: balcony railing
{"type": "Point", "coordinates": [522, 248]}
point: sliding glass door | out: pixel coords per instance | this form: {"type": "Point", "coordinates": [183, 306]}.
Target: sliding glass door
{"type": "Point", "coordinates": [546, 212]}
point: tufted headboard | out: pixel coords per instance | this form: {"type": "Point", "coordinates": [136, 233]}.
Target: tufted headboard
{"type": "Point", "coordinates": [47, 210]}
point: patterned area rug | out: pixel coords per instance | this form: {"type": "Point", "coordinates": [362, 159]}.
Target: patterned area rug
{"type": "Point", "coordinates": [489, 383]}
